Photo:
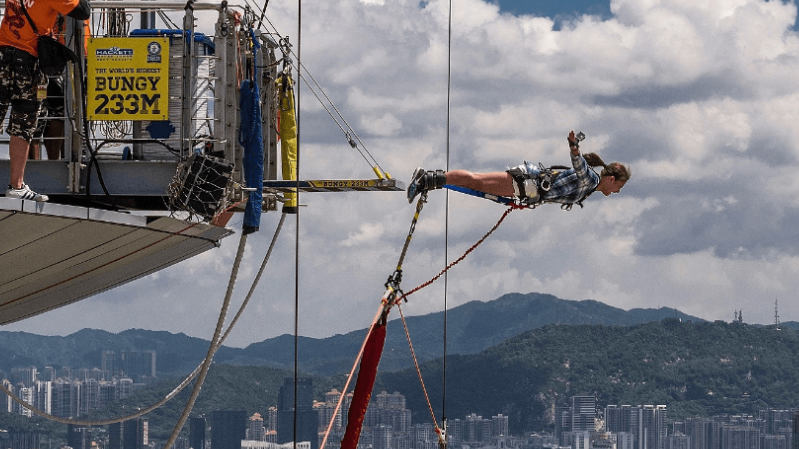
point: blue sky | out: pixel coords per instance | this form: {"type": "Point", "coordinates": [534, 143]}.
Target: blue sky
{"type": "Point", "coordinates": [557, 10]}
{"type": "Point", "coordinates": [561, 10]}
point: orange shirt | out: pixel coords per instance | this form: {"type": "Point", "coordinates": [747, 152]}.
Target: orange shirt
{"type": "Point", "coordinates": [15, 31]}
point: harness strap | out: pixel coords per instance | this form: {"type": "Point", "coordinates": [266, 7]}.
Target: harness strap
{"type": "Point", "coordinates": [519, 180]}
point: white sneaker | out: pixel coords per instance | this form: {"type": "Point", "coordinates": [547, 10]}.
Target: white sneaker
{"type": "Point", "coordinates": [25, 193]}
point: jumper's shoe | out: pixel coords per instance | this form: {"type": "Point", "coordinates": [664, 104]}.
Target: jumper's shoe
{"type": "Point", "coordinates": [423, 181]}
{"type": "Point", "coordinates": [417, 184]}
{"type": "Point", "coordinates": [25, 193]}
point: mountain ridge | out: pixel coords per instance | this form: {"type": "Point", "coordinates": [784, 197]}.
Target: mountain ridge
{"type": "Point", "coordinates": [471, 328]}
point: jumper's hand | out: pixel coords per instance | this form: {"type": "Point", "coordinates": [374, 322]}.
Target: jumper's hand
{"type": "Point", "coordinates": [574, 144]}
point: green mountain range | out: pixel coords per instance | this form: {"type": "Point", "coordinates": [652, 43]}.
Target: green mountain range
{"type": "Point", "coordinates": [471, 328]}
{"type": "Point", "coordinates": [695, 369]}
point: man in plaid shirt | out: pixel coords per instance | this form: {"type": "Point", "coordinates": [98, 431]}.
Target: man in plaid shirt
{"type": "Point", "coordinates": [532, 185]}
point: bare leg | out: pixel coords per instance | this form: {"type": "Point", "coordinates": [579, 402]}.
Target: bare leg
{"type": "Point", "coordinates": [34, 151]}
{"type": "Point", "coordinates": [54, 139]}
{"type": "Point", "coordinates": [18, 153]}
{"type": "Point", "coordinates": [495, 183]}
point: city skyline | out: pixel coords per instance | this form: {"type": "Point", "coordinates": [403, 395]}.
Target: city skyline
{"type": "Point", "coordinates": [590, 426]}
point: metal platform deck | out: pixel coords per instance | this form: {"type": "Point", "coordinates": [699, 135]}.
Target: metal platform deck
{"type": "Point", "coordinates": [53, 255]}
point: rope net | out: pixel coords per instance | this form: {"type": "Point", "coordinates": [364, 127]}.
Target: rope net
{"type": "Point", "coordinates": [200, 186]}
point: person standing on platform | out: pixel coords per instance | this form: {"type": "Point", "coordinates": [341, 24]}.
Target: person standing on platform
{"type": "Point", "coordinates": [21, 81]}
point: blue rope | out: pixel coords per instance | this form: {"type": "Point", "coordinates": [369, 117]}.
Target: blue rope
{"type": "Point", "coordinates": [495, 198]}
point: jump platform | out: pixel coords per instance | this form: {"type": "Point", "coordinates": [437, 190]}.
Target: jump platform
{"type": "Point", "coordinates": [53, 255]}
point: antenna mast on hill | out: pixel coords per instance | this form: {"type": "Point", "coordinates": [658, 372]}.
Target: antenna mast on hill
{"type": "Point", "coordinates": [776, 314]}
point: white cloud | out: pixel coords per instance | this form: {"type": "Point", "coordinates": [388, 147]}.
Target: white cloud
{"type": "Point", "coordinates": [701, 98]}
{"type": "Point", "coordinates": [387, 125]}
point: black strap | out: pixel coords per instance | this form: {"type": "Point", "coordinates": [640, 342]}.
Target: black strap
{"type": "Point", "coordinates": [30, 21]}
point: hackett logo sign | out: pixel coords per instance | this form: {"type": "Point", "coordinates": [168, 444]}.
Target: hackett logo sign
{"type": "Point", "coordinates": [114, 51]}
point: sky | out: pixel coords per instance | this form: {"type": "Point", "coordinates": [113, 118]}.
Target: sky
{"type": "Point", "coordinates": [701, 99]}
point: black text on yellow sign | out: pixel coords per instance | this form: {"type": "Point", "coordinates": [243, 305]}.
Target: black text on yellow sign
{"type": "Point", "coordinates": [128, 78]}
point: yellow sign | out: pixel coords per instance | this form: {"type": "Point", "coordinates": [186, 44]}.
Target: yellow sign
{"type": "Point", "coordinates": [128, 78]}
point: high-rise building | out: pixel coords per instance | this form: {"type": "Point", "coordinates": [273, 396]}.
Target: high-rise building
{"type": "Point", "coordinates": [255, 428]}
{"type": "Point", "coordinates": [26, 376]}
{"type": "Point", "coordinates": [613, 419]}
{"type": "Point", "coordinates": [774, 442]}
{"type": "Point", "coordinates": [43, 396]}
{"type": "Point", "coordinates": [499, 425]}
{"type": "Point", "coordinates": [622, 418]}
{"type": "Point", "coordinates": [699, 430]}
{"type": "Point", "coordinates": [652, 431]}
{"type": "Point", "coordinates": [381, 437]}
{"type": "Point", "coordinates": [307, 418]}
{"type": "Point", "coordinates": [678, 440]}
{"type": "Point", "coordinates": [740, 437]}
{"type": "Point", "coordinates": [228, 428]}
{"type": "Point", "coordinates": [124, 387]}
{"type": "Point", "coordinates": [115, 435]}
{"type": "Point", "coordinates": [135, 434]}
{"type": "Point", "coordinates": [108, 364]}
{"type": "Point", "coordinates": [138, 365]}
{"type": "Point", "coordinates": [89, 395]}
{"type": "Point", "coordinates": [390, 401]}
{"type": "Point", "coordinates": [271, 419]}
{"type": "Point", "coordinates": [26, 394]}
{"type": "Point", "coordinates": [583, 414]}
{"type": "Point", "coordinates": [24, 440]}
{"type": "Point", "coordinates": [197, 427]}
{"type": "Point", "coordinates": [563, 422]}
{"type": "Point", "coordinates": [7, 401]}
{"type": "Point", "coordinates": [106, 394]}
{"type": "Point", "coordinates": [624, 440]}
{"type": "Point", "coordinates": [795, 428]}
{"type": "Point", "coordinates": [786, 432]}
{"type": "Point", "coordinates": [307, 426]}
{"type": "Point", "coordinates": [325, 411]}
{"type": "Point", "coordinates": [79, 437]}
{"type": "Point", "coordinates": [61, 398]}
{"type": "Point", "coordinates": [304, 394]}
{"type": "Point", "coordinates": [581, 439]}
{"type": "Point", "coordinates": [332, 396]}
{"type": "Point", "coordinates": [476, 429]}
{"type": "Point", "coordinates": [48, 375]}
{"type": "Point", "coordinates": [423, 435]}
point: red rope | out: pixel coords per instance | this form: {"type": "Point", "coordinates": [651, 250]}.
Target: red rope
{"type": "Point", "coordinates": [363, 386]}
{"type": "Point", "coordinates": [419, 287]}
{"type": "Point", "coordinates": [415, 289]}
{"type": "Point", "coordinates": [418, 371]}
{"type": "Point", "coordinates": [352, 373]}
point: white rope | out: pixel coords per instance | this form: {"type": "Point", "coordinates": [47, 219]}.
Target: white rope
{"type": "Point", "coordinates": [212, 348]}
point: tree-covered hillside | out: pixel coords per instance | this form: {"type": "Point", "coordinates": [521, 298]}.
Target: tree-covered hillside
{"type": "Point", "coordinates": [693, 368]}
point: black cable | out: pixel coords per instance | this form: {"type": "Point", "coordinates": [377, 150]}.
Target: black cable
{"type": "Point", "coordinates": [446, 223]}
{"type": "Point", "coordinates": [263, 13]}
{"type": "Point", "coordinates": [297, 230]}
{"type": "Point", "coordinates": [85, 120]}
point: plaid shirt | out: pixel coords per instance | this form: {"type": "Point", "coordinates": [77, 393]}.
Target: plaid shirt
{"type": "Point", "coordinates": [574, 184]}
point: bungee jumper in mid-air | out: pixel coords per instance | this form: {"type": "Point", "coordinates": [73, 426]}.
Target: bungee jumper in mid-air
{"type": "Point", "coordinates": [530, 184]}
